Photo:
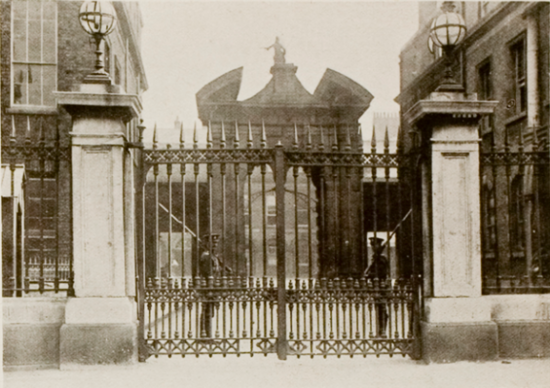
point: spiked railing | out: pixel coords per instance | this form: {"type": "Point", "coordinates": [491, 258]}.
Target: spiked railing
{"type": "Point", "coordinates": [40, 258]}
{"type": "Point", "coordinates": [516, 254]}
{"type": "Point", "coordinates": [242, 204]}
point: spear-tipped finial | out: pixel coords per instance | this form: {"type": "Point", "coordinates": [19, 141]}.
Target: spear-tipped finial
{"type": "Point", "coordinates": [263, 140]}
{"type": "Point", "coordinates": [308, 141]}
{"type": "Point", "coordinates": [506, 143]}
{"type": "Point", "coordinates": [222, 142]}
{"type": "Point", "coordinates": [42, 133]}
{"type": "Point", "coordinates": [373, 140]}
{"type": "Point", "coordinates": [535, 139]}
{"type": "Point", "coordinates": [182, 137]}
{"type": "Point", "coordinates": [58, 134]}
{"type": "Point", "coordinates": [322, 139]}
{"type": "Point", "coordinates": [195, 136]}
{"type": "Point", "coordinates": [155, 141]}
{"type": "Point", "coordinates": [360, 138]}
{"type": "Point", "coordinates": [12, 134]}
{"type": "Point", "coordinates": [335, 142]}
{"type": "Point", "coordinates": [520, 140]}
{"type": "Point", "coordinates": [237, 140]}
{"type": "Point", "coordinates": [295, 143]}
{"type": "Point", "coordinates": [398, 141]}
{"type": "Point", "coordinates": [348, 139]}
{"type": "Point", "coordinates": [28, 132]}
{"type": "Point", "coordinates": [209, 135]}
{"type": "Point", "coordinates": [249, 141]}
{"type": "Point", "coordinates": [386, 141]}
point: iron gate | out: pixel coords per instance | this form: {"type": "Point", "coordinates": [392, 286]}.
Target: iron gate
{"type": "Point", "coordinates": [232, 234]}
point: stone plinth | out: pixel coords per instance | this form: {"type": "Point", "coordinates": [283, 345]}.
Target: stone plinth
{"type": "Point", "coordinates": [457, 321]}
{"type": "Point", "coordinates": [523, 324]}
{"type": "Point", "coordinates": [31, 332]}
{"type": "Point", "coordinates": [100, 322]}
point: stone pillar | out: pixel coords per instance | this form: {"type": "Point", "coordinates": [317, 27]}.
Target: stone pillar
{"type": "Point", "coordinates": [456, 323]}
{"type": "Point", "coordinates": [100, 321]}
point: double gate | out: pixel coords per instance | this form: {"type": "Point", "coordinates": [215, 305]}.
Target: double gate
{"type": "Point", "coordinates": [250, 249]}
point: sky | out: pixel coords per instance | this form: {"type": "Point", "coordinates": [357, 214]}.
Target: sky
{"type": "Point", "coordinates": [185, 45]}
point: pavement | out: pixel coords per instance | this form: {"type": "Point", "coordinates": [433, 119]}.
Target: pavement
{"type": "Point", "coordinates": [267, 372]}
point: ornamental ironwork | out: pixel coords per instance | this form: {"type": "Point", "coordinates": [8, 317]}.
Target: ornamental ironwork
{"type": "Point", "coordinates": [164, 156]}
{"type": "Point", "coordinates": [514, 158]}
{"type": "Point", "coordinates": [233, 315]}
{"type": "Point", "coordinates": [36, 153]}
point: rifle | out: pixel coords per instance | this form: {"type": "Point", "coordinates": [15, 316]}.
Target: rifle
{"type": "Point", "coordinates": [397, 227]}
{"type": "Point", "coordinates": [202, 244]}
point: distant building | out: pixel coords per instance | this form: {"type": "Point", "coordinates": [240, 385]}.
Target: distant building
{"type": "Point", "coordinates": [287, 111]}
{"type": "Point", "coordinates": [44, 49]}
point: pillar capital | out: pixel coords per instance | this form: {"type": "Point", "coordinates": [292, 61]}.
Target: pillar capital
{"type": "Point", "coordinates": [441, 108]}
{"type": "Point", "coordinates": [98, 100]}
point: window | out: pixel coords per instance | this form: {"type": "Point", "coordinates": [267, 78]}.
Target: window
{"type": "Point", "coordinates": [485, 92]}
{"type": "Point", "coordinates": [485, 82]}
{"type": "Point", "coordinates": [520, 86]}
{"type": "Point", "coordinates": [34, 52]}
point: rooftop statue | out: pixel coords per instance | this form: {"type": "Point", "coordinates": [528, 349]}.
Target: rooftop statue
{"type": "Point", "coordinates": [280, 52]}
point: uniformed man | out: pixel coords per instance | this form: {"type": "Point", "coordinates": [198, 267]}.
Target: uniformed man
{"type": "Point", "coordinates": [210, 265]}
{"type": "Point", "coordinates": [378, 269]}
{"type": "Point", "coordinates": [209, 262]}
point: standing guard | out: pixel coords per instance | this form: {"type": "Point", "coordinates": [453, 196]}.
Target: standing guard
{"type": "Point", "coordinates": [210, 265]}
{"type": "Point", "coordinates": [378, 269]}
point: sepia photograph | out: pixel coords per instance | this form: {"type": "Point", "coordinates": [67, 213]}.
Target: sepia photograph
{"type": "Point", "coordinates": [275, 193]}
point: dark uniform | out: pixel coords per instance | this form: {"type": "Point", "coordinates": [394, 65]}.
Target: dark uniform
{"type": "Point", "coordinates": [379, 269]}
{"type": "Point", "coordinates": [210, 265]}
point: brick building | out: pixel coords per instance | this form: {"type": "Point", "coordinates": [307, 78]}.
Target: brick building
{"type": "Point", "coordinates": [504, 57]}
{"type": "Point", "coordinates": [44, 49]}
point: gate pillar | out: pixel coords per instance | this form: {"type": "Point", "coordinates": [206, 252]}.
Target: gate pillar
{"type": "Point", "coordinates": [456, 323]}
{"type": "Point", "coordinates": [100, 322]}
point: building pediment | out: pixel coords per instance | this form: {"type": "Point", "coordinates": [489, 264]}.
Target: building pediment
{"type": "Point", "coordinates": [223, 89]}
{"type": "Point", "coordinates": [339, 90]}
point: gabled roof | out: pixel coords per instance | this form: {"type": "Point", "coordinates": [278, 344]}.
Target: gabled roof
{"type": "Point", "coordinates": [337, 89]}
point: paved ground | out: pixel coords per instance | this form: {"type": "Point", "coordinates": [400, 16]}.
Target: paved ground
{"type": "Point", "coordinates": [269, 372]}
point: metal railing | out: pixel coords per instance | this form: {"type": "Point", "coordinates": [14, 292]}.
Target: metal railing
{"type": "Point", "coordinates": [514, 210]}
{"type": "Point", "coordinates": [226, 226]}
{"type": "Point", "coordinates": [37, 252]}
{"type": "Point", "coordinates": [233, 315]}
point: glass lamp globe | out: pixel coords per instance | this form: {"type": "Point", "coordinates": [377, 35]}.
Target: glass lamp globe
{"type": "Point", "coordinates": [97, 17]}
{"type": "Point", "coordinates": [448, 29]}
